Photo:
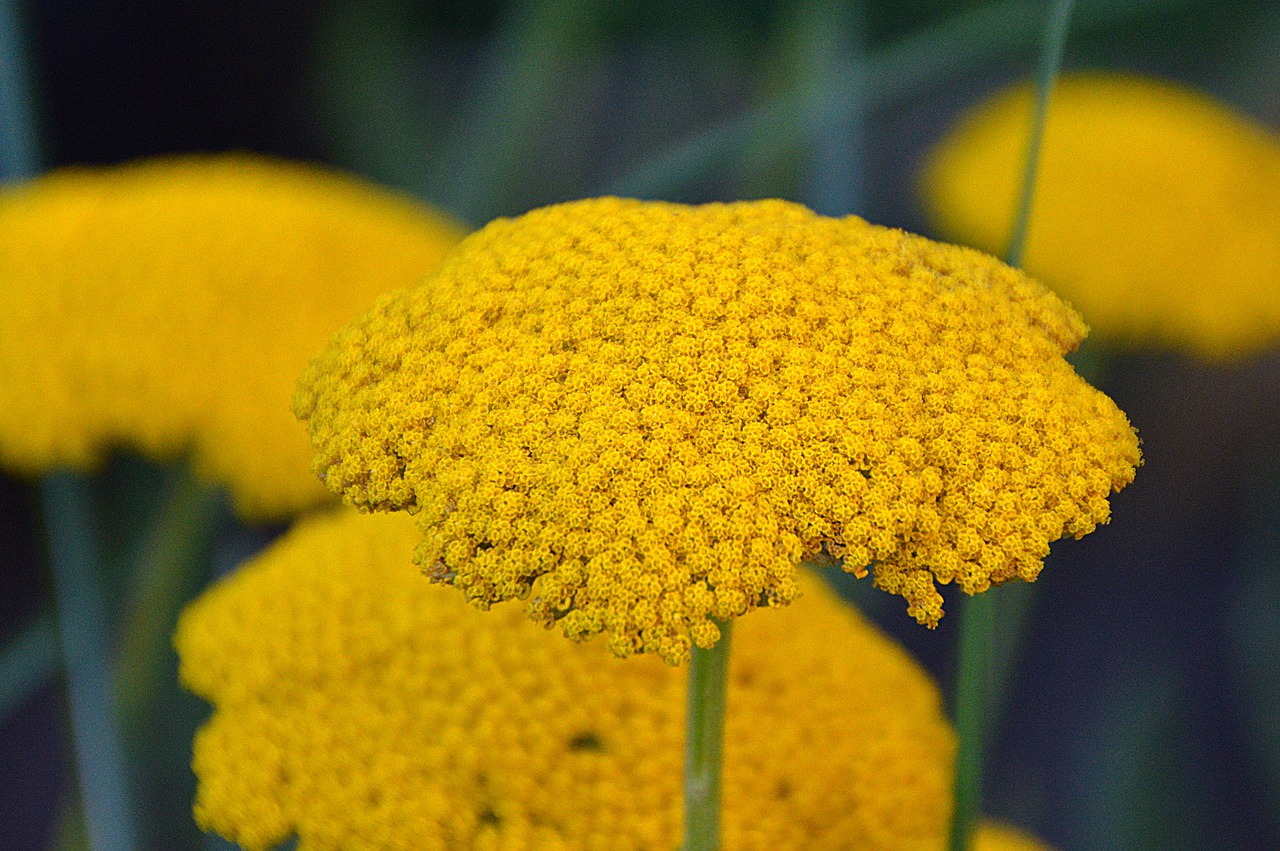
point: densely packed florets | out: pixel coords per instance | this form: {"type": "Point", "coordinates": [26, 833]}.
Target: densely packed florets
{"type": "Point", "coordinates": [359, 707]}
{"type": "Point", "coordinates": [169, 306]}
{"type": "Point", "coordinates": [642, 416]}
{"type": "Point", "coordinates": [1156, 210]}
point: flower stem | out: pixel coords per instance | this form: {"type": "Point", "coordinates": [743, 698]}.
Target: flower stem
{"type": "Point", "coordinates": [489, 147]}
{"type": "Point", "coordinates": [26, 663]}
{"type": "Point", "coordinates": [973, 699]}
{"type": "Point", "coordinates": [18, 159]}
{"type": "Point", "coordinates": [831, 35]}
{"type": "Point", "coordinates": [704, 743]}
{"type": "Point", "coordinates": [83, 636]}
{"type": "Point", "coordinates": [976, 683]}
{"type": "Point", "coordinates": [1055, 41]}
{"type": "Point", "coordinates": [167, 568]}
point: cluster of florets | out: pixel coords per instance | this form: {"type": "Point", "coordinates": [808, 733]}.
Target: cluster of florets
{"type": "Point", "coordinates": [641, 417]}
{"type": "Point", "coordinates": [357, 706]}
{"type": "Point", "coordinates": [168, 306]}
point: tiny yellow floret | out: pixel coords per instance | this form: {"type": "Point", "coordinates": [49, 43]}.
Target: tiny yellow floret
{"type": "Point", "coordinates": [641, 417]}
{"type": "Point", "coordinates": [358, 707]}
{"type": "Point", "coordinates": [1157, 210]}
{"type": "Point", "coordinates": [168, 305]}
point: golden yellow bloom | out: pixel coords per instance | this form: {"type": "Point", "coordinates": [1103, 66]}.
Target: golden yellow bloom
{"type": "Point", "coordinates": [169, 305]}
{"type": "Point", "coordinates": [643, 416]}
{"type": "Point", "coordinates": [1156, 211]}
{"type": "Point", "coordinates": [992, 836]}
{"type": "Point", "coordinates": [359, 707]}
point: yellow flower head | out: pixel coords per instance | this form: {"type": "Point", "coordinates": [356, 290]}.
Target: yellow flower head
{"type": "Point", "coordinates": [359, 707]}
{"type": "Point", "coordinates": [643, 416]}
{"type": "Point", "coordinates": [169, 305]}
{"type": "Point", "coordinates": [1157, 211]}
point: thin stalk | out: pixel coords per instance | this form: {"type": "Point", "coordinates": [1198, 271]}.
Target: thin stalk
{"type": "Point", "coordinates": [18, 159]}
{"type": "Point", "coordinates": [973, 700]}
{"type": "Point", "coordinates": [167, 567]}
{"type": "Point", "coordinates": [364, 64]}
{"type": "Point", "coordinates": [960, 45]}
{"type": "Point", "coordinates": [976, 687]}
{"type": "Point", "coordinates": [704, 743]}
{"type": "Point", "coordinates": [81, 617]}
{"type": "Point", "coordinates": [27, 663]}
{"type": "Point", "coordinates": [1055, 42]}
{"type": "Point", "coordinates": [490, 144]}
{"type": "Point", "coordinates": [834, 179]}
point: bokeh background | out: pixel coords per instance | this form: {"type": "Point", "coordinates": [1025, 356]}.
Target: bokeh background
{"type": "Point", "coordinates": [1144, 711]}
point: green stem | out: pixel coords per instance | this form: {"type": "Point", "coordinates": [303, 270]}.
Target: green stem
{"type": "Point", "coordinates": [1055, 42]}
{"type": "Point", "coordinates": [85, 660]}
{"type": "Point", "coordinates": [18, 158]}
{"type": "Point", "coordinates": [27, 663]}
{"type": "Point", "coordinates": [376, 120]}
{"type": "Point", "coordinates": [167, 568]}
{"type": "Point", "coordinates": [490, 144]}
{"type": "Point", "coordinates": [960, 45]}
{"type": "Point", "coordinates": [704, 743]}
{"type": "Point", "coordinates": [977, 687]}
{"type": "Point", "coordinates": [1013, 604]}
{"type": "Point", "coordinates": [973, 700]}
{"type": "Point", "coordinates": [834, 179]}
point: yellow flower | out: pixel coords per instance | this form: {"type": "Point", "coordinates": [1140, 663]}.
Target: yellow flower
{"type": "Point", "coordinates": [999, 837]}
{"type": "Point", "coordinates": [643, 416]}
{"type": "Point", "coordinates": [1156, 210]}
{"type": "Point", "coordinates": [169, 305]}
{"type": "Point", "coordinates": [359, 707]}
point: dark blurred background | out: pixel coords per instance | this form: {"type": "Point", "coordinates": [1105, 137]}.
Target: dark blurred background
{"type": "Point", "coordinates": [1145, 707]}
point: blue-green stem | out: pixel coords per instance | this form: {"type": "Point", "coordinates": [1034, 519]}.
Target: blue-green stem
{"type": "Point", "coordinates": [82, 634]}
{"type": "Point", "coordinates": [26, 663]}
{"type": "Point", "coordinates": [976, 687]}
{"type": "Point", "coordinates": [1055, 42]}
{"type": "Point", "coordinates": [834, 182]}
{"type": "Point", "coordinates": [18, 160]}
{"type": "Point", "coordinates": [363, 74]}
{"type": "Point", "coordinates": [167, 567]}
{"type": "Point", "coordinates": [704, 743]}
{"type": "Point", "coordinates": [30, 659]}
{"type": "Point", "coordinates": [491, 141]}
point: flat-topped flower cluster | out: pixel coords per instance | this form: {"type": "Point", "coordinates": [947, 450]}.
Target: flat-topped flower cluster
{"type": "Point", "coordinates": [358, 706]}
{"type": "Point", "coordinates": [641, 417]}
{"type": "Point", "coordinates": [167, 306]}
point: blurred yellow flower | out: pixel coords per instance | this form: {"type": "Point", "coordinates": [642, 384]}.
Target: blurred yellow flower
{"type": "Point", "coordinates": [169, 305]}
{"type": "Point", "coordinates": [992, 836]}
{"type": "Point", "coordinates": [357, 706]}
{"type": "Point", "coordinates": [642, 416]}
{"type": "Point", "coordinates": [1157, 211]}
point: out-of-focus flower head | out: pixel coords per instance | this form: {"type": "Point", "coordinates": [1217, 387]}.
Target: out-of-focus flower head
{"type": "Point", "coordinates": [1157, 210]}
{"type": "Point", "coordinates": [993, 836]}
{"type": "Point", "coordinates": [358, 706]}
{"type": "Point", "coordinates": [642, 416]}
{"type": "Point", "coordinates": [168, 306]}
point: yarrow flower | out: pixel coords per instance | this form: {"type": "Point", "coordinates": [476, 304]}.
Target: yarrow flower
{"type": "Point", "coordinates": [643, 416]}
{"type": "Point", "coordinates": [1156, 209]}
{"type": "Point", "coordinates": [168, 306]}
{"type": "Point", "coordinates": [357, 706]}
